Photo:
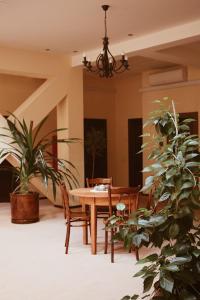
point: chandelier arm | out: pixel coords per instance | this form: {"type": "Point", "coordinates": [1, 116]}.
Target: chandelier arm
{"type": "Point", "coordinates": [112, 57]}
{"type": "Point", "coordinates": [120, 67]}
{"type": "Point", "coordinates": [119, 71]}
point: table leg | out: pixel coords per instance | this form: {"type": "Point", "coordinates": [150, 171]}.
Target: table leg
{"type": "Point", "coordinates": [93, 229]}
{"type": "Point", "coordinates": [85, 233]}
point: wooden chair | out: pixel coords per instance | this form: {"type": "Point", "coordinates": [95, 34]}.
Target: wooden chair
{"type": "Point", "coordinates": [91, 182]}
{"type": "Point", "coordinates": [102, 212]}
{"type": "Point", "coordinates": [129, 193]}
{"type": "Point", "coordinates": [72, 217]}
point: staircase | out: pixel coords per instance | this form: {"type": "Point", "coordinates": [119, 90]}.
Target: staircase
{"type": "Point", "coordinates": [42, 101]}
{"type": "Point", "coordinates": [58, 90]}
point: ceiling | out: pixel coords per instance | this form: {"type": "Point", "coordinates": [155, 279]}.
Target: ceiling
{"type": "Point", "coordinates": [64, 26]}
{"type": "Point", "coordinates": [166, 33]}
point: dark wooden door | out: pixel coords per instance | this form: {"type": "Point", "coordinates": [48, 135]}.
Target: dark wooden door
{"type": "Point", "coordinates": [193, 125]}
{"type": "Point", "coordinates": [95, 144]}
{"type": "Point", "coordinates": [134, 146]}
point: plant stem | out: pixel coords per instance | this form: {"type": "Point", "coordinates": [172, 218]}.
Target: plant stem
{"type": "Point", "coordinates": [175, 118]}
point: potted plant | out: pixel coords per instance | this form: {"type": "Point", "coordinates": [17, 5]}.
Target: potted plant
{"type": "Point", "coordinates": [173, 270]}
{"type": "Point", "coordinates": [34, 159]}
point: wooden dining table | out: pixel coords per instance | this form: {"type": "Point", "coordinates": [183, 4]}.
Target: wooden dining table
{"type": "Point", "coordinates": [94, 199]}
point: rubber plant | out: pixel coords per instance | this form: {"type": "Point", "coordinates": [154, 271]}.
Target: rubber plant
{"type": "Point", "coordinates": [172, 224]}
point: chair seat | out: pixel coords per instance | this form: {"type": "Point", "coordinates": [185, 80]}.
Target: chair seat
{"type": "Point", "coordinates": [103, 212]}
{"type": "Point", "coordinates": [79, 216]}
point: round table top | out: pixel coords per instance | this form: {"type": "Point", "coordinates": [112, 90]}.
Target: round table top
{"type": "Point", "coordinates": [88, 192]}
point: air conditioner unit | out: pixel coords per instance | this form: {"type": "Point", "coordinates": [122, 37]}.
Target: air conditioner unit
{"type": "Point", "coordinates": [168, 77]}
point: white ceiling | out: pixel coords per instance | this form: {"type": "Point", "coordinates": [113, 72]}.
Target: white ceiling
{"type": "Point", "coordinates": [64, 26]}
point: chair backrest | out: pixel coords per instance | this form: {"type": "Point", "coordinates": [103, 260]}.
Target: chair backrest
{"type": "Point", "coordinates": [129, 193]}
{"type": "Point", "coordinates": [90, 182]}
{"type": "Point", "coordinates": [65, 201]}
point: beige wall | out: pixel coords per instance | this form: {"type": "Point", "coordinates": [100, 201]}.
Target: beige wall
{"type": "Point", "coordinates": [14, 90]}
{"type": "Point", "coordinates": [128, 104]}
{"type": "Point", "coordinates": [70, 115]}
{"type": "Point", "coordinates": [116, 100]}
{"type": "Point", "coordinates": [99, 103]}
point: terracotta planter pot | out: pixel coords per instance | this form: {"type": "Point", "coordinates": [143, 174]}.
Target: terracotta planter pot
{"type": "Point", "coordinates": [24, 208]}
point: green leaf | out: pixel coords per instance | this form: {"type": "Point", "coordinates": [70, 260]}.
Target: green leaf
{"type": "Point", "coordinates": [191, 155]}
{"type": "Point", "coordinates": [141, 272]}
{"type": "Point", "coordinates": [134, 297]}
{"type": "Point", "coordinates": [157, 220]}
{"type": "Point", "coordinates": [156, 166]}
{"type": "Point", "coordinates": [145, 134]}
{"type": "Point", "coordinates": [173, 230]}
{"type": "Point", "coordinates": [147, 169]}
{"type": "Point", "coordinates": [189, 120]}
{"type": "Point", "coordinates": [196, 252]}
{"type": "Point", "coordinates": [148, 283]}
{"type": "Point", "coordinates": [167, 283]}
{"type": "Point", "coordinates": [160, 172]}
{"type": "Point", "coordinates": [184, 127]}
{"type": "Point", "coordinates": [149, 180]}
{"type": "Point", "coordinates": [169, 184]}
{"type": "Point", "coordinates": [139, 238]}
{"type": "Point", "coordinates": [193, 143]}
{"type": "Point", "coordinates": [126, 298]}
{"type": "Point", "coordinates": [146, 187]}
{"type": "Point", "coordinates": [184, 195]}
{"type": "Point", "coordinates": [164, 196]}
{"type": "Point", "coordinates": [167, 250]}
{"type": "Point", "coordinates": [149, 258]}
{"type": "Point", "coordinates": [171, 172]}
{"type": "Point", "coordinates": [180, 156]}
{"type": "Point", "coordinates": [192, 164]}
{"type": "Point", "coordinates": [144, 145]}
{"type": "Point", "coordinates": [180, 260]}
{"type": "Point", "coordinates": [171, 268]}
{"type": "Point", "coordinates": [186, 185]}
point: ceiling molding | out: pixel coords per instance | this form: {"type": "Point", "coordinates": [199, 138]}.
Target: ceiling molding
{"type": "Point", "coordinates": [155, 41]}
{"type": "Point", "coordinates": [170, 86]}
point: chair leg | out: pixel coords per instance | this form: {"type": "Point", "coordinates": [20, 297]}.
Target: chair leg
{"type": "Point", "coordinates": [106, 242]}
{"type": "Point", "coordinates": [137, 253]}
{"type": "Point", "coordinates": [67, 238]}
{"type": "Point", "coordinates": [112, 247]}
{"type": "Point", "coordinates": [86, 225]}
{"type": "Point", "coordinates": [90, 228]}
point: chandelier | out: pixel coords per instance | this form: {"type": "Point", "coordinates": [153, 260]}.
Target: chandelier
{"type": "Point", "coordinates": [106, 65]}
